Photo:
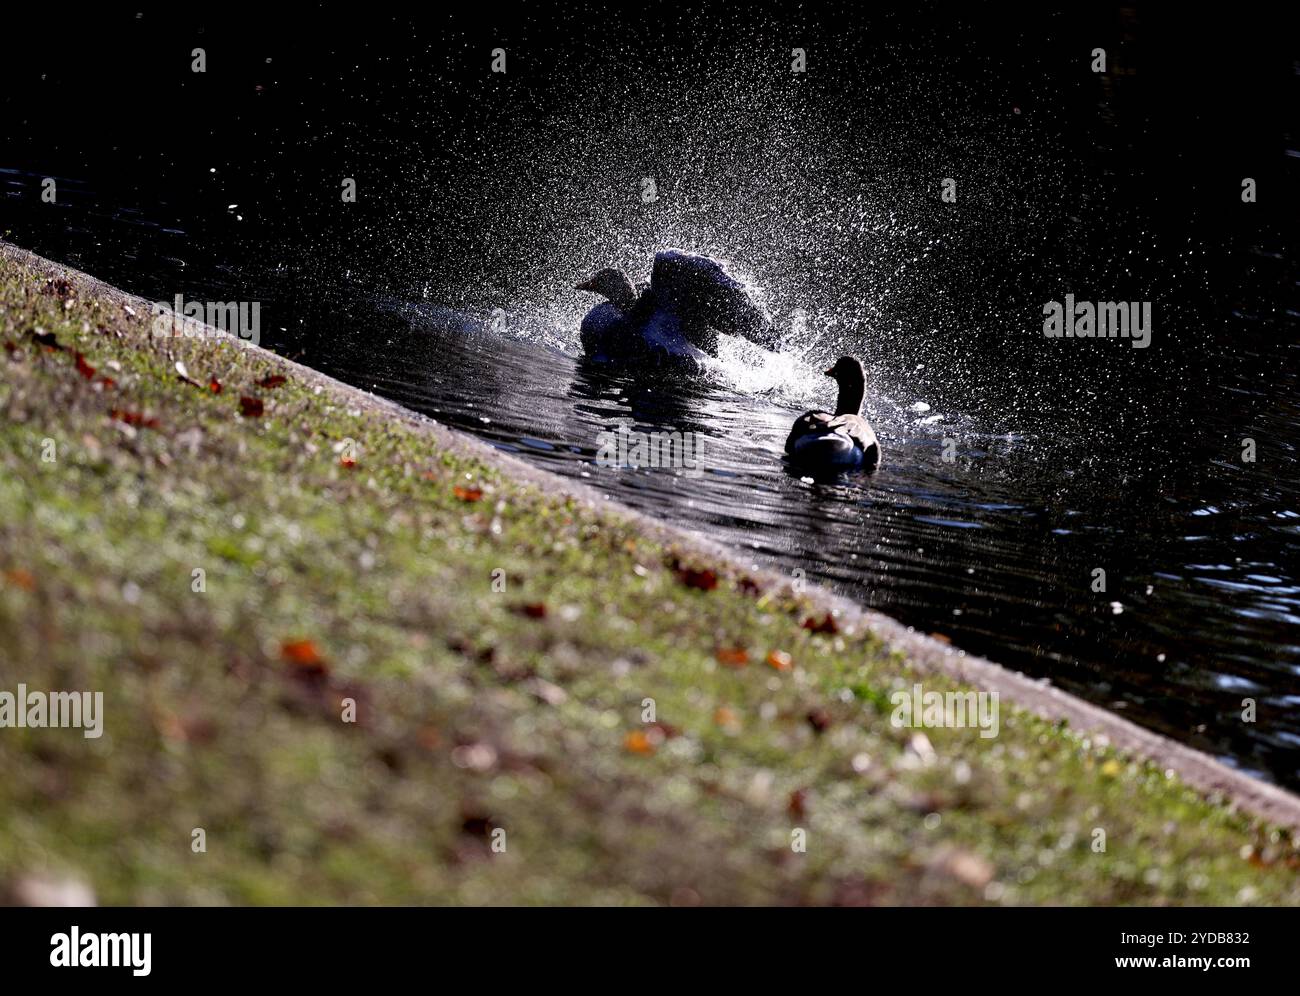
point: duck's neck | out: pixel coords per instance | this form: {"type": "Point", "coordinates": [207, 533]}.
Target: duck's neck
{"type": "Point", "coordinates": [850, 399]}
{"type": "Point", "coordinates": [623, 296]}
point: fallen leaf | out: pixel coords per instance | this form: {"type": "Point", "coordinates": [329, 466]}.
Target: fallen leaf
{"type": "Point", "coordinates": [780, 660]}
{"type": "Point", "coordinates": [275, 380]}
{"type": "Point", "coordinates": [250, 407]}
{"type": "Point", "coordinates": [726, 717]}
{"type": "Point", "coordinates": [819, 719]}
{"type": "Point", "coordinates": [84, 368]}
{"type": "Point", "coordinates": [133, 418]}
{"type": "Point", "coordinates": [534, 610]}
{"type": "Point", "coordinates": [347, 461]}
{"type": "Point", "coordinates": [467, 494]}
{"type": "Point", "coordinates": [22, 578]}
{"type": "Point", "coordinates": [304, 652]}
{"type": "Point", "coordinates": [640, 742]}
{"type": "Point", "coordinates": [704, 580]}
{"type": "Point", "coordinates": [826, 625]}
{"type": "Point", "coordinates": [214, 385]}
{"type": "Point", "coordinates": [798, 805]}
{"type": "Point", "coordinates": [732, 656]}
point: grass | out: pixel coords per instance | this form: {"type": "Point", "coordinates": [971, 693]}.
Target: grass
{"type": "Point", "coordinates": [501, 751]}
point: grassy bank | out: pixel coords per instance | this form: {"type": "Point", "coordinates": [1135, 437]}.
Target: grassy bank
{"type": "Point", "coordinates": [346, 564]}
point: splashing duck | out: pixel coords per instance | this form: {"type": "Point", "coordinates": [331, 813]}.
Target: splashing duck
{"type": "Point", "coordinates": [843, 441]}
{"type": "Point", "coordinates": [677, 317]}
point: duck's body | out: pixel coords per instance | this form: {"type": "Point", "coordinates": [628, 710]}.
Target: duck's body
{"type": "Point", "coordinates": [676, 318]}
{"type": "Point", "coordinates": [840, 441]}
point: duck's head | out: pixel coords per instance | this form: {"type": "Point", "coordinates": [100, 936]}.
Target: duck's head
{"type": "Point", "coordinates": [613, 284]}
{"type": "Point", "coordinates": [852, 381]}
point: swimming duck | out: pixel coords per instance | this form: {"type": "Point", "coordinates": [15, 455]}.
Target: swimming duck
{"type": "Point", "coordinates": [676, 317]}
{"type": "Point", "coordinates": [843, 441]}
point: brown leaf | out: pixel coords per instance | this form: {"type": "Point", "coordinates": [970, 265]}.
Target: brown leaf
{"type": "Point", "coordinates": [84, 368]}
{"type": "Point", "coordinates": [819, 719]}
{"type": "Point", "coordinates": [467, 494]}
{"type": "Point", "coordinates": [826, 625]}
{"type": "Point", "coordinates": [133, 418]}
{"type": "Point", "coordinates": [250, 407]}
{"type": "Point", "coordinates": [704, 580]}
{"type": "Point", "coordinates": [22, 578]}
{"type": "Point", "coordinates": [798, 805]}
{"type": "Point", "coordinates": [275, 380]}
{"type": "Point", "coordinates": [732, 656]}
{"type": "Point", "coordinates": [534, 610]}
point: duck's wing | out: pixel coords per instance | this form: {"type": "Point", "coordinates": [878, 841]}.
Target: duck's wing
{"type": "Point", "coordinates": [705, 295]}
{"type": "Point", "coordinates": [859, 430]}
{"type": "Point", "coordinates": [807, 425]}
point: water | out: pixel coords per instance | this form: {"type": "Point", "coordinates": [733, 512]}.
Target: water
{"type": "Point", "coordinates": [478, 194]}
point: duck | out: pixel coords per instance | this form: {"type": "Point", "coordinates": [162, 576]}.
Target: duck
{"type": "Point", "coordinates": [677, 317]}
{"type": "Point", "coordinates": [843, 441]}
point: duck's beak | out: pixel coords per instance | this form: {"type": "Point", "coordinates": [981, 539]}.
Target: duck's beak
{"type": "Point", "coordinates": [586, 285]}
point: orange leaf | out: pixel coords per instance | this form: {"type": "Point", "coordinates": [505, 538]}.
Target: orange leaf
{"type": "Point", "coordinates": [732, 656]}
{"type": "Point", "coordinates": [84, 368]}
{"type": "Point", "coordinates": [467, 494]}
{"type": "Point", "coordinates": [214, 385]}
{"type": "Point", "coordinates": [303, 652]}
{"type": "Point", "coordinates": [250, 407]}
{"type": "Point", "coordinates": [780, 660]}
{"type": "Point", "coordinates": [639, 742]}
{"type": "Point", "coordinates": [22, 578]}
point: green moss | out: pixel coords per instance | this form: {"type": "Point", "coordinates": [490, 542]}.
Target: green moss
{"type": "Point", "coordinates": [474, 713]}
